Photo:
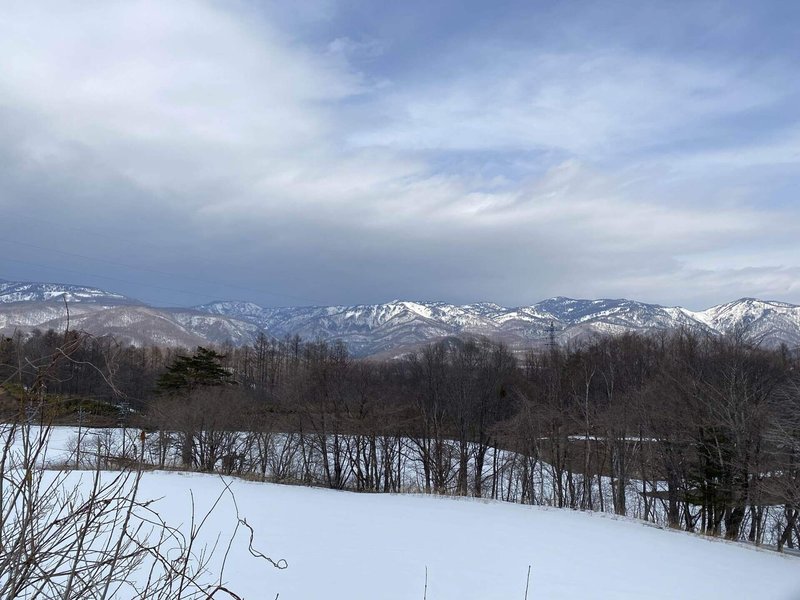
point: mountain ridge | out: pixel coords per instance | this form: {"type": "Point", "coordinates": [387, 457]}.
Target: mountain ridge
{"type": "Point", "coordinates": [379, 329]}
{"type": "Point", "coordinates": [34, 291]}
{"type": "Point", "coordinates": [374, 328]}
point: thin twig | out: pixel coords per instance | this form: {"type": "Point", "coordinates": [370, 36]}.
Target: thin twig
{"type": "Point", "coordinates": [528, 582]}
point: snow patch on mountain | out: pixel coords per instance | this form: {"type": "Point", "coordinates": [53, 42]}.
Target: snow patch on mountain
{"type": "Point", "coordinates": [369, 329]}
{"type": "Point", "coordinates": [391, 327]}
{"type": "Point", "coordinates": [12, 292]}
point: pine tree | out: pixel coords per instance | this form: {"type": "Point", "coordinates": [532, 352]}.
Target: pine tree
{"type": "Point", "coordinates": [187, 373]}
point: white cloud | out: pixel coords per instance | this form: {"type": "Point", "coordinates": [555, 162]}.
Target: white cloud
{"type": "Point", "coordinates": [591, 104]}
{"type": "Point", "coordinates": [171, 95]}
{"type": "Point", "coordinates": [206, 130]}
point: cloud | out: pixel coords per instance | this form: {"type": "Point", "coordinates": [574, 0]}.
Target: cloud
{"type": "Point", "coordinates": [599, 104]}
{"type": "Point", "coordinates": [191, 150]}
{"type": "Point", "coordinates": [169, 94]}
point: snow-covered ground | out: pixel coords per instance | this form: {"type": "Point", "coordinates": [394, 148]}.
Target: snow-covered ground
{"type": "Point", "coordinates": [343, 545]}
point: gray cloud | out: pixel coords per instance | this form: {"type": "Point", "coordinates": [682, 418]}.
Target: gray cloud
{"type": "Point", "coordinates": [186, 151]}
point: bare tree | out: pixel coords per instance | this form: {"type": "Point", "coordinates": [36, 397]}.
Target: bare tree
{"type": "Point", "coordinates": [67, 538]}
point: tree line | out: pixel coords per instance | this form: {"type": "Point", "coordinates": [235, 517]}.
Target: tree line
{"type": "Point", "coordinates": [690, 431]}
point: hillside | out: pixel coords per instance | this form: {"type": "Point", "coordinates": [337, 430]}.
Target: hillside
{"type": "Point", "coordinates": [342, 545]}
{"type": "Point", "coordinates": [400, 325]}
{"type": "Point", "coordinates": [26, 291]}
{"type": "Point", "coordinates": [28, 306]}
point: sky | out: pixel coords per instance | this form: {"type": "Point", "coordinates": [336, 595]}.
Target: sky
{"type": "Point", "coordinates": [344, 152]}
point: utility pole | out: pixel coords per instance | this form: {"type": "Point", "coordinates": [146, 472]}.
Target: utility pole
{"type": "Point", "coordinates": [80, 437]}
{"type": "Point", "coordinates": [124, 409]}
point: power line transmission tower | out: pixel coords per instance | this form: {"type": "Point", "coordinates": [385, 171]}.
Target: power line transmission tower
{"type": "Point", "coordinates": [551, 337]}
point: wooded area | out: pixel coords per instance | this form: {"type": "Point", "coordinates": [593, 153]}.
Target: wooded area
{"type": "Point", "coordinates": [689, 431]}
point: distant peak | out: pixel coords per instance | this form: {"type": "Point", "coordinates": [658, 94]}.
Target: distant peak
{"type": "Point", "coordinates": [34, 291]}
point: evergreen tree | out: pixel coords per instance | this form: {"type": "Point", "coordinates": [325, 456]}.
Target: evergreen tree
{"type": "Point", "coordinates": [187, 373]}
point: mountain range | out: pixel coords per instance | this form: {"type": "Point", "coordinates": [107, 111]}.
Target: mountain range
{"type": "Point", "coordinates": [26, 306]}
{"type": "Point", "coordinates": [376, 329]}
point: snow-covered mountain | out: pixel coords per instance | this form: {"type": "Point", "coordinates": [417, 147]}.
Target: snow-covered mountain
{"type": "Point", "coordinates": [366, 329]}
{"type": "Point", "coordinates": [26, 306]}
{"type": "Point", "coordinates": [135, 324]}
{"type": "Point", "coordinates": [15, 291]}
{"type": "Point", "coordinates": [770, 323]}
{"type": "Point", "coordinates": [378, 329]}
{"type": "Point", "coordinates": [397, 325]}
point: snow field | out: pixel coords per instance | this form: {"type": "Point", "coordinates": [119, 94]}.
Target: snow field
{"type": "Point", "coordinates": [343, 545]}
{"type": "Point", "coordinates": [377, 546]}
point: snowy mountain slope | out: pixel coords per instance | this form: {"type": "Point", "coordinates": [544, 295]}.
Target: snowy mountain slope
{"type": "Point", "coordinates": [361, 317]}
{"type": "Point", "coordinates": [771, 323]}
{"type": "Point", "coordinates": [137, 325]}
{"type": "Point", "coordinates": [367, 329]}
{"type": "Point", "coordinates": [371, 329]}
{"type": "Point", "coordinates": [217, 329]}
{"type": "Point", "coordinates": [11, 292]}
{"type": "Point", "coordinates": [247, 311]}
{"type": "Point", "coordinates": [626, 313]}
{"type": "Point", "coordinates": [31, 314]}
{"type": "Point", "coordinates": [25, 306]}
